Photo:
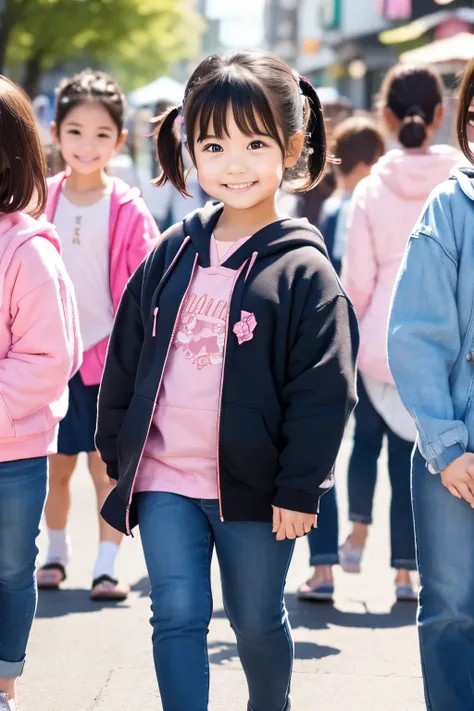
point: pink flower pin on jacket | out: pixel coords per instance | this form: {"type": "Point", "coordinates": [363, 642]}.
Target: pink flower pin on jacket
{"type": "Point", "coordinates": [244, 328]}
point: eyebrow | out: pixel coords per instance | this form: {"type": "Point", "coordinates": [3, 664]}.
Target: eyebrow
{"type": "Point", "coordinates": [79, 125]}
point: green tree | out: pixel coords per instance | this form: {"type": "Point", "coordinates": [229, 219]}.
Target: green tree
{"type": "Point", "coordinates": [40, 33]}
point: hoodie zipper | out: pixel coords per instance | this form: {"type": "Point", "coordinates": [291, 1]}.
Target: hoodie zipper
{"type": "Point", "coordinates": [221, 387]}
{"type": "Point", "coordinates": [173, 333]}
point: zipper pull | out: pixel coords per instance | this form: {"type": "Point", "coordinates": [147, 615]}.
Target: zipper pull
{"type": "Point", "coordinates": [155, 315]}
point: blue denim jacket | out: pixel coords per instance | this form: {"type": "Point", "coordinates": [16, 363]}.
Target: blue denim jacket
{"type": "Point", "coordinates": [431, 329]}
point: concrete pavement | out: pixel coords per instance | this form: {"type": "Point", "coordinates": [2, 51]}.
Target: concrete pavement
{"type": "Point", "coordinates": [360, 655]}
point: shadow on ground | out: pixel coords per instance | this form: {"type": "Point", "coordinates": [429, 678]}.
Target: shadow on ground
{"type": "Point", "coordinates": [223, 652]}
{"type": "Point", "coordinates": [317, 616]}
{"type": "Point", "coordinates": [71, 601]}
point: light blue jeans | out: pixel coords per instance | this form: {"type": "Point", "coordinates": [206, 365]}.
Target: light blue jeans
{"type": "Point", "coordinates": [178, 536]}
{"type": "Point", "coordinates": [23, 488]}
{"type": "Point", "coordinates": [444, 531]}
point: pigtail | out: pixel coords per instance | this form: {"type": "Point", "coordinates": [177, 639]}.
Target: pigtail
{"type": "Point", "coordinates": [316, 140]}
{"type": "Point", "coordinates": [169, 152]}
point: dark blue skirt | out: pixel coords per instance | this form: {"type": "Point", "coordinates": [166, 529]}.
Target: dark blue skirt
{"type": "Point", "coordinates": [77, 430]}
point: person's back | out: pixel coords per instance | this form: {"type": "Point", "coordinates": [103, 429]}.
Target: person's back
{"type": "Point", "coordinates": [384, 208]}
{"type": "Point", "coordinates": [357, 144]}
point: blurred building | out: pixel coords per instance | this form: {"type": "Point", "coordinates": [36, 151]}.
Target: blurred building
{"type": "Point", "coordinates": [281, 28]}
{"type": "Point", "coordinates": [350, 44]}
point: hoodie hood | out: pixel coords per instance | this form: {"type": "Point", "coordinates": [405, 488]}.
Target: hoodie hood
{"type": "Point", "coordinates": [15, 230]}
{"type": "Point", "coordinates": [280, 236]}
{"type": "Point", "coordinates": [413, 175]}
{"type": "Point", "coordinates": [465, 178]}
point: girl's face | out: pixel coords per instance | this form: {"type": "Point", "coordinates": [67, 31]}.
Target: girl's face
{"type": "Point", "coordinates": [242, 171]}
{"type": "Point", "coordinates": [88, 138]}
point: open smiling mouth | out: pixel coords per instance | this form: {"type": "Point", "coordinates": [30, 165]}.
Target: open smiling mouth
{"type": "Point", "coordinates": [239, 187]}
{"type": "Point", "coordinates": [86, 161]}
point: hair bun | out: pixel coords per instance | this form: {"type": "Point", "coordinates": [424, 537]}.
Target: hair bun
{"type": "Point", "coordinates": [412, 133]}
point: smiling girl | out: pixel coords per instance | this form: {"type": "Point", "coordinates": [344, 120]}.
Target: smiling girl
{"type": "Point", "coordinates": [229, 379]}
{"type": "Point", "coordinates": [105, 231]}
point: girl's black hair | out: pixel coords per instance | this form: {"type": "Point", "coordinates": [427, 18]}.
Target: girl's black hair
{"type": "Point", "coordinates": [412, 95]}
{"type": "Point", "coordinates": [90, 86]}
{"type": "Point", "coordinates": [264, 93]}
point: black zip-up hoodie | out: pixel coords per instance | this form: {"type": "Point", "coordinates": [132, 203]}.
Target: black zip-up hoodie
{"type": "Point", "coordinates": [286, 394]}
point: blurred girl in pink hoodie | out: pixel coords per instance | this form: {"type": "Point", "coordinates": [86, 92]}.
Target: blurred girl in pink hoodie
{"type": "Point", "coordinates": [39, 350]}
{"type": "Point", "coordinates": [106, 230]}
{"type": "Point", "coordinates": [385, 207]}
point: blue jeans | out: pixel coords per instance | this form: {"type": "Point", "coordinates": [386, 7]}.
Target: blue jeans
{"type": "Point", "coordinates": [370, 430]}
{"type": "Point", "coordinates": [323, 540]}
{"type": "Point", "coordinates": [178, 536]}
{"type": "Point", "coordinates": [444, 528]}
{"type": "Point", "coordinates": [23, 487]}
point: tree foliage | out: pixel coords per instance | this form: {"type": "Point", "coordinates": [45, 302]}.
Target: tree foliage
{"type": "Point", "coordinates": [138, 37]}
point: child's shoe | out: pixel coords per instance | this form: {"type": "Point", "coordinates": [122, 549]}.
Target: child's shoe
{"type": "Point", "coordinates": [6, 704]}
{"type": "Point", "coordinates": [350, 557]}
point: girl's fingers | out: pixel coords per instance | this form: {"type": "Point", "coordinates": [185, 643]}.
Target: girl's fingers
{"type": "Point", "coordinates": [281, 533]}
{"type": "Point", "coordinates": [299, 529]}
{"type": "Point", "coordinates": [465, 492]}
{"type": "Point", "coordinates": [308, 527]}
{"type": "Point", "coordinates": [452, 490]}
{"type": "Point", "coordinates": [276, 519]}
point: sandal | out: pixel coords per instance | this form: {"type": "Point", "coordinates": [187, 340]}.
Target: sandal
{"type": "Point", "coordinates": [6, 704]}
{"type": "Point", "coordinates": [50, 576]}
{"type": "Point", "coordinates": [107, 589]}
{"type": "Point", "coordinates": [350, 557]}
{"type": "Point", "coordinates": [323, 592]}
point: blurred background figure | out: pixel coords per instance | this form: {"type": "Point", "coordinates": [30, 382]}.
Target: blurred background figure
{"type": "Point", "coordinates": [357, 144]}
{"type": "Point", "coordinates": [384, 208]}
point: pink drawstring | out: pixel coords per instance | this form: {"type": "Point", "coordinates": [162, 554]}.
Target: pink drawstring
{"type": "Point", "coordinates": [155, 315]}
{"type": "Point", "coordinates": [252, 262]}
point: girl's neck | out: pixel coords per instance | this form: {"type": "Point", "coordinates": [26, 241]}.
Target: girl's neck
{"type": "Point", "coordinates": [234, 224]}
{"type": "Point", "coordinates": [85, 184]}
{"type": "Point", "coordinates": [84, 190]}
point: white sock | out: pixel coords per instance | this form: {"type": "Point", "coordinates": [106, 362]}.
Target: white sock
{"type": "Point", "coordinates": [59, 549]}
{"type": "Point", "coordinates": [105, 564]}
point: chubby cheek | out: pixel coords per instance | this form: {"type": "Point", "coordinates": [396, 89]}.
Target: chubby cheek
{"type": "Point", "coordinates": [208, 175]}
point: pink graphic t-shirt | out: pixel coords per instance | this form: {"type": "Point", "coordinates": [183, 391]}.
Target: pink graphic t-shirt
{"type": "Point", "coordinates": [181, 451]}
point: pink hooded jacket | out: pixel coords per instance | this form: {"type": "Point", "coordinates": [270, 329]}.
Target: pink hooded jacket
{"type": "Point", "coordinates": [133, 234]}
{"type": "Point", "coordinates": [384, 210]}
{"type": "Point", "coordinates": [40, 347]}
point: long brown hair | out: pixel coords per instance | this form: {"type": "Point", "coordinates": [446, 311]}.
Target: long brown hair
{"type": "Point", "coordinates": [463, 118]}
{"type": "Point", "coordinates": [262, 91]}
{"type": "Point", "coordinates": [22, 166]}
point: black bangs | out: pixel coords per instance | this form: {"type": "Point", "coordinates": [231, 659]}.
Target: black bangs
{"type": "Point", "coordinates": [209, 106]}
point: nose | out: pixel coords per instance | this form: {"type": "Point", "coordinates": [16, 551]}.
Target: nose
{"type": "Point", "coordinates": [236, 166]}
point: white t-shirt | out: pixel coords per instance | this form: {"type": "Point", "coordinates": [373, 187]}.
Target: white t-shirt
{"type": "Point", "coordinates": [84, 235]}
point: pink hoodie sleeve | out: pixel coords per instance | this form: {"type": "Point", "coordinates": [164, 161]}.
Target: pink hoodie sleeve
{"type": "Point", "coordinates": [46, 347]}
{"type": "Point", "coordinates": [359, 271]}
{"type": "Point", "coordinates": [143, 236]}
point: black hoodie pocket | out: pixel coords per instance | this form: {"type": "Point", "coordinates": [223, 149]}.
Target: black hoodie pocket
{"type": "Point", "coordinates": [248, 455]}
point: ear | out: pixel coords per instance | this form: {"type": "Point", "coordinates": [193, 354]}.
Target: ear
{"type": "Point", "coordinates": [121, 139]}
{"type": "Point", "coordinates": [294, 149]}
{"type": "Point", "coordinates": [391, 121]}
{"type": "Point", "coordinates": [438, 117]}
{"type": "Point", "coordinates": [54, 131]}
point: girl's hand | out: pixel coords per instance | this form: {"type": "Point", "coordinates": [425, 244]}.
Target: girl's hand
{"type": "Point", "coordinates": [458, 478]}
{"type": "Point", "coordinates": [291, 524]}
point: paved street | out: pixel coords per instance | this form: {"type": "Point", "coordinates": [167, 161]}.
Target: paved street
{"type": "Point", "coordinates": [360, 654]}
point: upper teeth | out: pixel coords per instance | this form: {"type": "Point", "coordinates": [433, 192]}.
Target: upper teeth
{"type": "Point", "coordinates": [239, 186]}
